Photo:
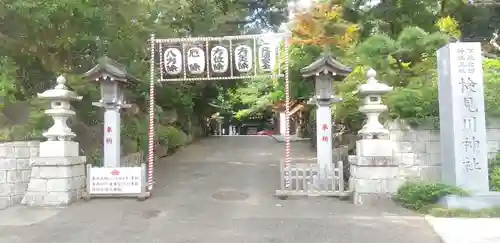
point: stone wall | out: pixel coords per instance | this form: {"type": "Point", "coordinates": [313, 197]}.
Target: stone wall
{"type": "Point", "coordinates": [15, 170]}
{"type": "Point", "coordinates": [418, 151]}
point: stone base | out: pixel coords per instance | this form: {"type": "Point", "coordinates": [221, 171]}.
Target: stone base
{"type": "Point", "coordinates": [371, 198]}
{"type": "Point", "coordinates": [473, 202]}
{"type": "Point", "coordinates": [7, 201]}
{"type": "Point", "coordinates": [374, 147]}
{"type": "Point", "coordinates": [52, 199]}
{"type": "Point", "coordinates": [374, 172]}
{"type": "Point", "coordinates": [59, 149]}
{"type": "Point", "coordinates": [55, 181]}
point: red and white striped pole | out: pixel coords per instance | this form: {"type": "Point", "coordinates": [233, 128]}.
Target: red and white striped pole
{"type": "Point", "coordinates": [288, 149]}
{"type": "Point", "coordinates": [151, 124]}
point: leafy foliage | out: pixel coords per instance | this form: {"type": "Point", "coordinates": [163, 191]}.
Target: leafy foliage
{"type": "Point", "coordinates": [398, 39]}
{"type": "Point", "coordinates": [171, 136]}
{"type": "Point", "coordinates": [494, 173]}
{"type": "Point", "coordinates": [449, 26]}
{"type": "Point", "coordinates": [495, 179]}
{"type": "Point", "coordinates": [423, 198]}
{"type": "Point", "coordinates": [42, 39]}
{"type": "Point", "coordinates": [420, 196]}
{"type": "Point", "coordinates": [324, 26]}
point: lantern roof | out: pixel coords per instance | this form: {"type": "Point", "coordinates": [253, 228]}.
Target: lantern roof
{"type": "Point", "coordinates": [59, 92]}
{"type": "Point", "coordinates": [372, 86]}
{"type": "Point", "coordinates": [111, 70]}
{"type": "Point", "coordinates": [326, 63]}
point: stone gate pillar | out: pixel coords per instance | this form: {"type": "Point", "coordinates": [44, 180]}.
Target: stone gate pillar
{"type": "Point", "coordinates": [58, 173]}
{"type": "Point", "coordinates": [374, 172]}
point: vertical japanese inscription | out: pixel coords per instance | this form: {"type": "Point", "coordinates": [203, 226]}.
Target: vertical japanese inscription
{"type": "Point", "coordinates": [267, 58]}
{"type": "Point", "coordinates": [243, 58]}
{"type": "Point", "coordinates": [470, 108]}
{"type": "Point", "coordinates": [195, 60]}
{"type": "Point", "coordinates": [219, 59]}
{"type": "Point", "coordinates": [172, 60]}
{"type": "Point", "coordinates": [324, 137]}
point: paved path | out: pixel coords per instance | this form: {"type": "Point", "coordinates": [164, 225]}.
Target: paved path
{"type": "Point", "coordinates": [217, 191]}
{"type": "Point", "coordinates": [465, 230]}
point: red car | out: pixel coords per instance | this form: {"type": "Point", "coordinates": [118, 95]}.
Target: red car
{"type": "Point", "coordinates": [265, 133]}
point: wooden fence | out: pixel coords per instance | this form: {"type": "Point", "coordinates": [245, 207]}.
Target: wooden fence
{"type": "Point", "coordinates": [311, 180]}
{"type": "Point", "coordinates": [132, 160]}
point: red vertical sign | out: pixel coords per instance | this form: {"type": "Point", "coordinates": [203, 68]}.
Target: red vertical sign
{"type": "Point", "coordinates": [324, 127]}
{"type": "Point", "coordinates": [108, 140]}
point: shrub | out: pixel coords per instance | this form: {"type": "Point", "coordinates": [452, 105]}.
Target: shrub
{"type": "Point", "coordinates": [170, 136]}
{"type": "Point", "coordinates": [494, 173]}
{"type": "Point", "coordinates": [421, 196]}
{"type": "Point", "coordinates": [495, 179]}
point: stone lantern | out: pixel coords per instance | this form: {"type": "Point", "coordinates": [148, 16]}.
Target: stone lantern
{"type": "Point", "coordinates": [220, 121]}
{"type": "Point", "coordinates": [113, 79]}
{"type": "Point", "coordinates": [371, 92]}
{"type": "Point", "coordinates": [325, 71]}
{"type": "Point", "coordinates": [374, 151]}
{"type": "Point", "coordinates": [58, 172]}
{"type": "Point", "coordinates": [60, 111]}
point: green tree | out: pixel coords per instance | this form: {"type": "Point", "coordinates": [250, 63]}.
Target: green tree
{"type": "Point", "coordinates": [45, 38]}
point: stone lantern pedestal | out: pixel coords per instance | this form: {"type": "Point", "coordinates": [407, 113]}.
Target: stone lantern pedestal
{"type": "Point", "coordinates": [374, 172]}
{"type": "Point", "coordinates": [58, 174]}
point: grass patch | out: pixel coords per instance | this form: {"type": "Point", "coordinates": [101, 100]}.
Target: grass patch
{"type": "Point", "coordinates": [463, 213]}
{"type": "Point", "coordinates": [423, 198]}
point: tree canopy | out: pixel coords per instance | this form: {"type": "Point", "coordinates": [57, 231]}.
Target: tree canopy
{"type": "Point", "coordinates": [44, 38]}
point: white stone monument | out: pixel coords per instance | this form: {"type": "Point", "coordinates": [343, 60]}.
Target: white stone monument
{"type": "Point", "coordinates": [374, 172]}
{"type": "Point", "coordinates": [462, 116]}
{"type": "Point", "coordinates": [58, 174]}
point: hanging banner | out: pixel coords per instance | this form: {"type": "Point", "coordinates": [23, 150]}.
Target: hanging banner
{"type": "Point", "coordinates": [215, 58]}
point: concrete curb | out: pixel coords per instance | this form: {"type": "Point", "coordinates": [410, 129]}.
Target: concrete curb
{"type": "Point", "coordinates": [281, 139]}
